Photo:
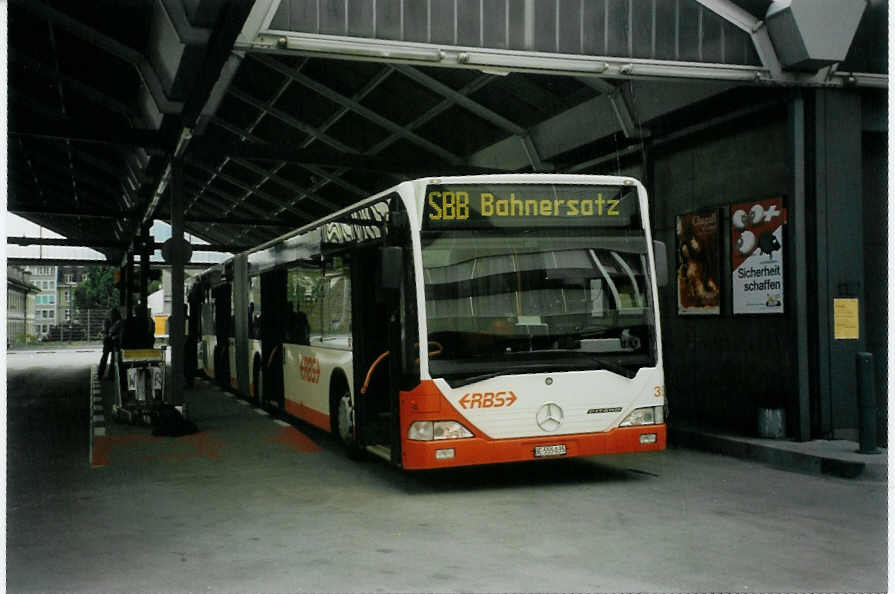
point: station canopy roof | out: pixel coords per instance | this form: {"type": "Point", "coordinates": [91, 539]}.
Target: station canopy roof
{"type": "Point", "coordinates": [285, 110]}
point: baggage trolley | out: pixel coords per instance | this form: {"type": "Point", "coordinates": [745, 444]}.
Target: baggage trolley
{"type": "Point", "coordinates": [139, 384]}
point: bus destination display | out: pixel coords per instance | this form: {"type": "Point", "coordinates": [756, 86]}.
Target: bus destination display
{"type": "Point", "coordinates": [529, 205]}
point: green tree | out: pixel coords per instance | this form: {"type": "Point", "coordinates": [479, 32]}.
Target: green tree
{"type": "Point", "coordinates": [97, 289]}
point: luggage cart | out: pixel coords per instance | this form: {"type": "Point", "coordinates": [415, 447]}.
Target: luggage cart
{"type": "Point", "coordinates": [139, 384]}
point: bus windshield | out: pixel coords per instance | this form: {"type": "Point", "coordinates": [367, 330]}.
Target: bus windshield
{"type": "Point", "coordinates": [503, 297]}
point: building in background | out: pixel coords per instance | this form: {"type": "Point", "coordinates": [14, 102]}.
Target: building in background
{"type": "Point", "coordinates": [19, 305]}
{"type": "Point", "coordinates": [44, 277]}
{"type": "Point", "coordinates": [68, 279]}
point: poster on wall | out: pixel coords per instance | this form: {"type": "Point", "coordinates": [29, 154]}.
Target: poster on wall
{"type": "Point", "coordinates": [698, 270]}
{"type": "Point", "coordinates": [756, 237]}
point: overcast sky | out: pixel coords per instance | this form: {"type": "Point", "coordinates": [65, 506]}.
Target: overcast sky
{"type": "Point", "coordinates": [16, 226]}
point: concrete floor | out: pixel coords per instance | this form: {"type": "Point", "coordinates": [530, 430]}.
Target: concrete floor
{"type": "Point", "coordinates": [251, 505]}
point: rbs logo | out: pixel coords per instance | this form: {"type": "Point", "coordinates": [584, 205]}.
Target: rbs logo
{"type": "Point", "coordinates": [309, 369]}
{"type": "Point", "coordinates": [488, 399]}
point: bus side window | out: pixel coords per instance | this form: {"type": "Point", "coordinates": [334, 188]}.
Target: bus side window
{"type": "Point", "coordinates": [303, 316]}
{"type": "Point", "coordinates": [336, 298]}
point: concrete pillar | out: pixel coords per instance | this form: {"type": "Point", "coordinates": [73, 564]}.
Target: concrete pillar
{"type": "Point", "coordinates": [836, 181]}
{"type": "Point", "coordinates": [176, 325]}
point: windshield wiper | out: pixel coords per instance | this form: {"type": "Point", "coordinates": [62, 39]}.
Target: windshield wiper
{"type": "Point", "coordinates": [606, 364]}
{"type": "Point", "coordinates": [613, 367]}
{"type": "Point", "coordinates": [476, 378]}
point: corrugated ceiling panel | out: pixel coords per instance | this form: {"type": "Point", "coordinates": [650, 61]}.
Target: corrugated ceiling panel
{"type": "Point", "coordinates": [657, 29]}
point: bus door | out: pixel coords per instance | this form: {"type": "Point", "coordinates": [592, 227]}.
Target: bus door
{"type": "Point", "coordinates": [222, 334]}
{"type": "Point", "coordinates": [273, 308]}
{"type": "Point", "coordinates": [373, 335]}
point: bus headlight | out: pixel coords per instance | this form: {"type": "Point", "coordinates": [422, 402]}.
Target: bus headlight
{"type": "Point", "coordinates": [435, 430]}
{"type": "Point", "coordinates": [652, 415]}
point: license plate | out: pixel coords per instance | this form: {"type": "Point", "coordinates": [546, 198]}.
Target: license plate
{"type": "Point", "coordinates": [550, 450]}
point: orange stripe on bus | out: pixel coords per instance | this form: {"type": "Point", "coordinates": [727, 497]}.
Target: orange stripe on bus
{"type": "Point", "coordinates": [316, 418]}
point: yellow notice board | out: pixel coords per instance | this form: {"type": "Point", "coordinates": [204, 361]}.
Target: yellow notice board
{"type": "Point", "coordinates": [845, 319]}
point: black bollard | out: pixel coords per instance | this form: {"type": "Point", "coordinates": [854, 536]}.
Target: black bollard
{"type": "Point", "coordinates": [866, 405]}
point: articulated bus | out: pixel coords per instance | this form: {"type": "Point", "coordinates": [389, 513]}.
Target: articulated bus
{"type": "Point", "coordinates": [454, 321]}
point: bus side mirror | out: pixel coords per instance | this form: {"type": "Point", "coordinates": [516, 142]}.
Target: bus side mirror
{"type": "Point", "coordinates": [661, 255]}
{"type": "Point", "coordinates": [391, 267]}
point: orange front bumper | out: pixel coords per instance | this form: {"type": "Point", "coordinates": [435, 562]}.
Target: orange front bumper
{"type": "Point", "coordinates": [426, 402]}
{"type": "Point", "coordinates": [418, 455]}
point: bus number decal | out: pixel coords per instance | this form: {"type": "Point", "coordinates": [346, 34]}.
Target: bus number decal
{"type": "Point", "coordinates": [487, 399]}
{"type": "Point", "coordinates": [309, 369]}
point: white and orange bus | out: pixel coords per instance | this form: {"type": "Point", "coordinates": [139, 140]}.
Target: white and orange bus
{"type": "Point", "coordinates": [454, 321]}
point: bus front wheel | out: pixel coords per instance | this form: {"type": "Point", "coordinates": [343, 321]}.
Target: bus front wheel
{"type": "Point", "coordinates": [344, 429]}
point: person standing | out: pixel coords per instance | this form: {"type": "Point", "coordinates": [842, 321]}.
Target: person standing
{"type": "Point", "coordinates": [111, 328]}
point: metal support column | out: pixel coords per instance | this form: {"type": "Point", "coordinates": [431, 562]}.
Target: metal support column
{"type": "Point", "coordinates": [127, 276]}
{"type": "Point", "coordinates": [145, 251]}
{"type": "Point", "coordinates": [800, 406]}
{"type": "Point", "coordinates": [177, 319]}
{"type": "Point", "coordinates": [839, 245]}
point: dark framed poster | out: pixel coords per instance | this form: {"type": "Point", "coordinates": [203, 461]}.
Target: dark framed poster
{"type": "Point", "coordinates": [756, 253]}
{"type": "Point", "coordinates": [698, 263]}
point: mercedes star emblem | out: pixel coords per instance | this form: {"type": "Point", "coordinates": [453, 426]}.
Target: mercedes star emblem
{"type": "Point", "coordinates": [550, 417]}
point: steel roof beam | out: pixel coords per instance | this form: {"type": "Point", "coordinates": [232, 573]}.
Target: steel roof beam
{"type": "Point", "coordinates": [368, 88]}
{"type": "Point", "coordinates": [97, 186]}
{"type": "Point", "coordinates": [208, 228]}
{"type": "Point", "coordinates": [199, 188]}
{"type": "Point", "coordinates": [30, 169]}
{"type": "Point", "coordinates": [52, 187]}
{"type": "Point", "coordinates": [87, 91]}
{"type": "Point", "coordinates": [104, 214]}
{"type": "Point", "coordinates": [112, 46]}
{"type": "Point", "coordinates": [94, 179]}
{"type": "Point", "coordinates": [756, 29]}
{"type": "Point", "coordinates": [316, 171]}
{"type": "Point", "coordinates": [68, 129]}
{"type": "Point", "coordinates": [230, 20]}
{"type": "Point", "coordinates": [254, 190]}
{"type": "Point", "coordinates": [587, 122]}
{"type": "Point", "coordinates": [436, 110]}
{"type": "Point", "coordinates": [269, 176]}
{"type": "Point", "coordinates": [234, 201]}
{"type": "Point", "coordinates": [460, 99]}
{"type": "Point", "coordinates": [623, 112]}
{"type": "Point", "coordinates": [290, 120]}
{"type": "Point", "coordinates": [261, 115]}
{"type": "Point", "coordinates": [356, 107]}
{"type": "Point", "coordinates": [58, 192]}
{"type": "Point", "coordinates": [304, 192]}
{"type": "Point", "coordinates": [126, 182]}
{"type": "Point", "coordinates": [94, 243]}
{"type": "Point", "coordinates": [187, 33]}
{"type": "Point", "coordinates": [26, 211]}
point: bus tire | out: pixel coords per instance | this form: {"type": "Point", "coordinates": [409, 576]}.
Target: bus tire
{"type": "Point", "coordinates": [343, 417]}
